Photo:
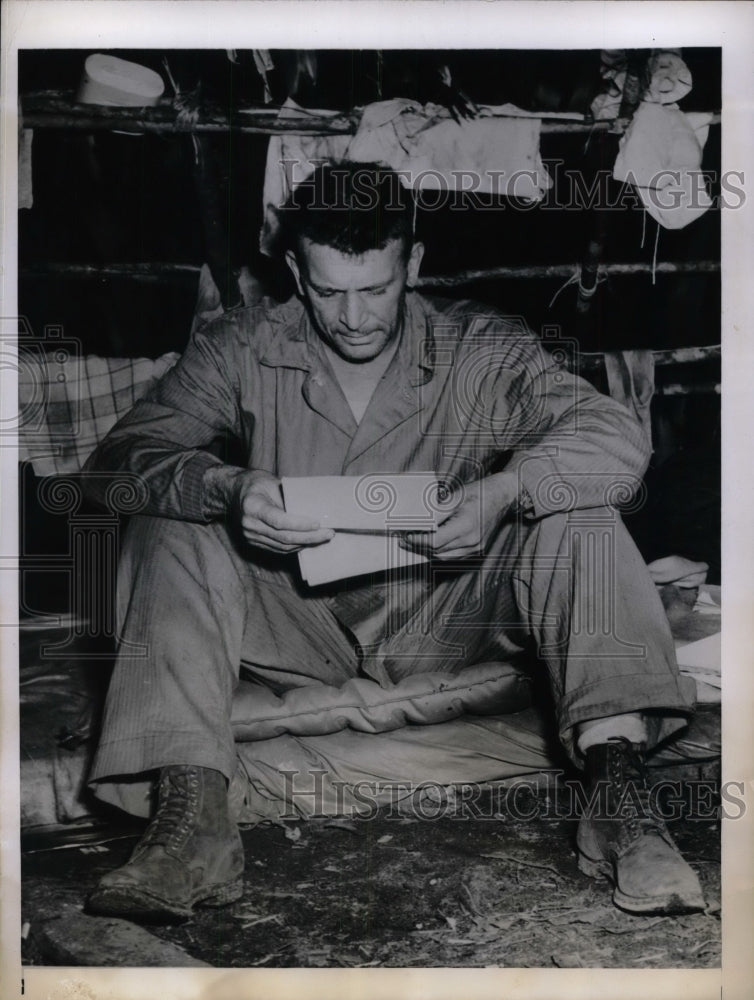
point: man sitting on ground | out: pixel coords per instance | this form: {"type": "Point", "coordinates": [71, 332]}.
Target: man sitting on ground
{"type": "Point", "coordinates": [358, 374]}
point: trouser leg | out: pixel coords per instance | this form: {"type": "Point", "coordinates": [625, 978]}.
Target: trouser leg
{"type": "Point", "coordinates": [575, 591]}
{"type": "Point", "coordinates": [572, 588]}
{"type": "Point", "coordinates": [599, 625]}
{"type": "Point", "coordinates": [191, 607]}
{"type": "Point", "coordinates": [181, 618]}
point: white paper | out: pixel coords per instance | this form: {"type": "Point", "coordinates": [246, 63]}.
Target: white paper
{"type": "Point", "coordinates": [347, 555]}
{"type": "Point", "coordinates": [367, 513]}
{"type": "Point", "coordinates": [703, 656]}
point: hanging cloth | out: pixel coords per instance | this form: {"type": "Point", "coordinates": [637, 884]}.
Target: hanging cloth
{"type": "Point", "coordinates": [631, 380]}
{"type": "Point", "coordinates": [661, 156]}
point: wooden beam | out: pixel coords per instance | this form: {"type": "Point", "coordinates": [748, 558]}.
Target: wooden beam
{"type": "Point", "coordinates": [591, 361]}
{"type": "Point", "coordinates": [159, 270]}
{"type": "Point", "coordinates": [688, 389]}
{"type": "Point", "coordinates": [56, 109]}
{"type": "Point", "coordinates": [517, 271]}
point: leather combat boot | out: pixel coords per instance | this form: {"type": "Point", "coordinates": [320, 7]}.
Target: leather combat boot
{"type": "Point", "coordinates": [620, 838]}
{"type": "Point", "coordinates": [191, 854]}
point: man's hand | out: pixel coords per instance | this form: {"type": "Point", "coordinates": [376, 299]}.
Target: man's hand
{"type": "Point", "coordinates": [468, 527]}
{"type": "Point", "coordinates": [256, 505]}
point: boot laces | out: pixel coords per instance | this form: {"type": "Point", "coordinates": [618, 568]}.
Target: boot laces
{"type": "Point", "coordinates": [177, 801]}
{"type": "Point", "coordinates": [627, 767]}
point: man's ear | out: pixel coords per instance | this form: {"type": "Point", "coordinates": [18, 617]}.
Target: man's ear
{"type": "Point", "coordinates": [290, 259]}
{"type": "Point", "coordinates": [414, 263]}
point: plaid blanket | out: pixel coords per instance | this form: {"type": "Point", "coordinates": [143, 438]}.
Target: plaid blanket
{"type": "Point", "coordinates": [67, 404]}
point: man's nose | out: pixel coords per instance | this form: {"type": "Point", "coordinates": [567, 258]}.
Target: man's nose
{"type": "Point", "coordinates": [352, 314]}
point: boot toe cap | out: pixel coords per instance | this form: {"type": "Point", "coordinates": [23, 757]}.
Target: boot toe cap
{"type": "Point", "coordinates": [653, 877]}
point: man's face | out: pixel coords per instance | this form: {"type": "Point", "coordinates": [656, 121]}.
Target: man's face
{"type": "Point", "coordinates": [356, 302]}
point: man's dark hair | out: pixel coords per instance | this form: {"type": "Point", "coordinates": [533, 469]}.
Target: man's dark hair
{"type": "Point", "coordinates": [352, 207]}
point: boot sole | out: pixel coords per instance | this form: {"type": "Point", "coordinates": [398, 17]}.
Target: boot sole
{"type": "Point", "coordinates": [135, 903]}
{"type": "Point", "coordinates": [670, 905]}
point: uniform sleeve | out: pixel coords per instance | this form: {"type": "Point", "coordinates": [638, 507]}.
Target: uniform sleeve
{"type": "Point", "coordinates": [163, 440]}
{"type": "Point", "coordinates": [570, 446]}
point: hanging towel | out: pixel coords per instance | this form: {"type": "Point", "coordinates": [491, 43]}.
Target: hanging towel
{"type": "Point", "coordinates": [290, 160]}
{"type": "Point", "coordinates": [661, 155]}
{"type": "Point", "coordinates": [631, 379]}
{"type": "Point", "coordinates": [497, 153]}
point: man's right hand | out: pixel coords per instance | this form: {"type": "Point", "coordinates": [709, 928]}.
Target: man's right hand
{"type": "Point", "coordinates": [253, 502]}
{"type": "Point", "coordinates": [256, 505]}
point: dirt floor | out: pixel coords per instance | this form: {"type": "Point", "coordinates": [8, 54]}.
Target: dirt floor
{"type": "Point", "coordinates": [487, 890]}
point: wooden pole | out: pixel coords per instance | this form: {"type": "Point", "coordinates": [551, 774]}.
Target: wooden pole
{"type": "Point", "coordinates": [159, 270]}
{"type": "Point", "coordinates": [517, 272]}
{"type": "Point", "coordinates": [592, 361]}
{"type": "Point", "coordinates": [55, 109]}
{"type": "Point", "coordinates": [688, 388]}
{"type": "Point", "coordinates": [215, 232]}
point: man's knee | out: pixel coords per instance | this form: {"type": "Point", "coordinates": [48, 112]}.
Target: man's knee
{"type": "Point", "coordinates": [587, 549]}
{"type": "Point", "coordinates": [516, 538]}
{"type": "Point", "coordinates": [147, 535]}
{"type": "Point", "coordinates": [566, 532]}
{"type": "Point", "coordinates": [169, 569]}
{"type": "Point", "coordinates": [167, 552]}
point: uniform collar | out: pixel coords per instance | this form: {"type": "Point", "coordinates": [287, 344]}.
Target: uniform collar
{"type": "Point", "coordinates": [291, 345]}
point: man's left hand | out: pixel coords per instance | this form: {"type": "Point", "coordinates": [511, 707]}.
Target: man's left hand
{"type": "Point", "coordinates": [468, 527]}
